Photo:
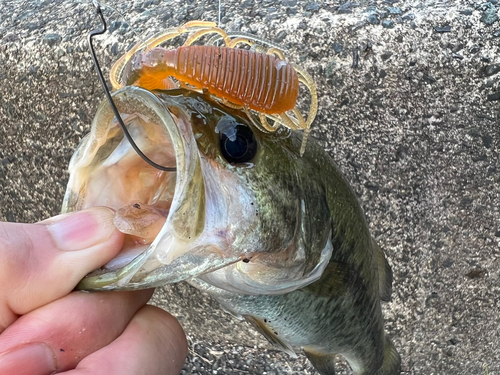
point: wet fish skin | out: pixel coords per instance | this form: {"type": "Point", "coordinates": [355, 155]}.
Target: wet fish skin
{"type": "Point", "coordinates": [341, 312]}
{"type": "Point", "coordinates": [294, 209]}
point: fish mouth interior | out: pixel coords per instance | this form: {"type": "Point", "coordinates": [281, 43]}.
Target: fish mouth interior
{"type": "Point", "coordinates": [107, 171]}
{"type": "Point", "coordinates": [141, 194]}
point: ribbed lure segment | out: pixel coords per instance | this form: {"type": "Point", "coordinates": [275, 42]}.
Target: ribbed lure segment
{"type": "Point", "coordinates": [260, 81]}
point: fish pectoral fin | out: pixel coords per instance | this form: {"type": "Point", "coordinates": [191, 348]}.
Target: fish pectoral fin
{"type": "Point", "coordinates": [384, 275]}
{"type": "Point", "coordinates": [392, 360]}
{"type": "Point", "coordinates": [270, 335]}
{"type": "Point", "coordinates": [334, 281]}
{"type": "Point", "coordinates": [324, 363]}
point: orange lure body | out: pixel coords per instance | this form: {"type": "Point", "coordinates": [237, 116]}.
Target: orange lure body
{"type": "Point", "coordinates": [260, 81]}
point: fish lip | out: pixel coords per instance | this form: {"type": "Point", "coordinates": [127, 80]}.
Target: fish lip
{"type": "Point", "coordinates": [185, 156]}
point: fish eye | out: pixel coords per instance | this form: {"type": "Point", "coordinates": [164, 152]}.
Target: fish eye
{"type": "Point", "coordinates": [240, 146]}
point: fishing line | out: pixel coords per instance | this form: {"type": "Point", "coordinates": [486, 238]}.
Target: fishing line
{"type": "Point", "coordinates": [108, 94]}
{"type": "Point", "coordinates": [122, 15]}
{"type": "Point", "coordinates": [218, 23]}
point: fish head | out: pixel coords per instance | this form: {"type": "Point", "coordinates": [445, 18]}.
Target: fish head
{"type": "Point", "coordinates": [242, 212]}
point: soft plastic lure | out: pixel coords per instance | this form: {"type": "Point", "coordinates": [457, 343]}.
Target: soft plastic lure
{"type": "Point", "coordinates": [259, 79]}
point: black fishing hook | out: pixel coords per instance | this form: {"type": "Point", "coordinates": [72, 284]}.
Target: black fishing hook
{"type": "Point", "coordinates": [110, 99]}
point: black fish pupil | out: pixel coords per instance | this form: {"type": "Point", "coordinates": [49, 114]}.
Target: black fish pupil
{"type": "Point", "coordinates": [238, 148]}
{"type": "Point", "coordinates": [242, 148]}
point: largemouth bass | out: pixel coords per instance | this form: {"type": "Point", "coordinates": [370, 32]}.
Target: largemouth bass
{"type": "Point", "coordinates": [278, 239]}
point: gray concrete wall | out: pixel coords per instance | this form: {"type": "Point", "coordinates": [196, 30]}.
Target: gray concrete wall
{"type": "Point", "coordinates": [409, 109]}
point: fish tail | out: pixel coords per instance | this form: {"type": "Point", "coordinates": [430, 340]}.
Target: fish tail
{"type": "Point", "coordinates": [324, 363]}
{"type": "Point", "coordinates": [392, 360]}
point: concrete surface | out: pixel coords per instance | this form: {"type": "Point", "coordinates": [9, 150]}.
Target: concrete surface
{"type": "Point", "coordinates": [409, 108]}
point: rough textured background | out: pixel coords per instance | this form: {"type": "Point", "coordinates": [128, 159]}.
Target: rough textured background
{"type": "Point", "coordinates": [409, 108]}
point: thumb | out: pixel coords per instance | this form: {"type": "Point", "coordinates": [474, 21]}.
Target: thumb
{"type": "Point", "coordinates": [42, 262]}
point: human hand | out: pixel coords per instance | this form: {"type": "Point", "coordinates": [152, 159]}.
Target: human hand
{"type": "Point", "coordinates": [46, 328]}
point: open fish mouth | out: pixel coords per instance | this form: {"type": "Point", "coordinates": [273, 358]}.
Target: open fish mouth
{"type": "Point", "coordinates": [161, 213]}
{"type": "Point", "coordinates": [207, 222]}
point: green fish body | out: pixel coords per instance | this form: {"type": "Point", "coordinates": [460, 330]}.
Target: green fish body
{"type": "Point", "coordinates": [340, 313]}
{"type": "Point", "coordinates": [278, 239]}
